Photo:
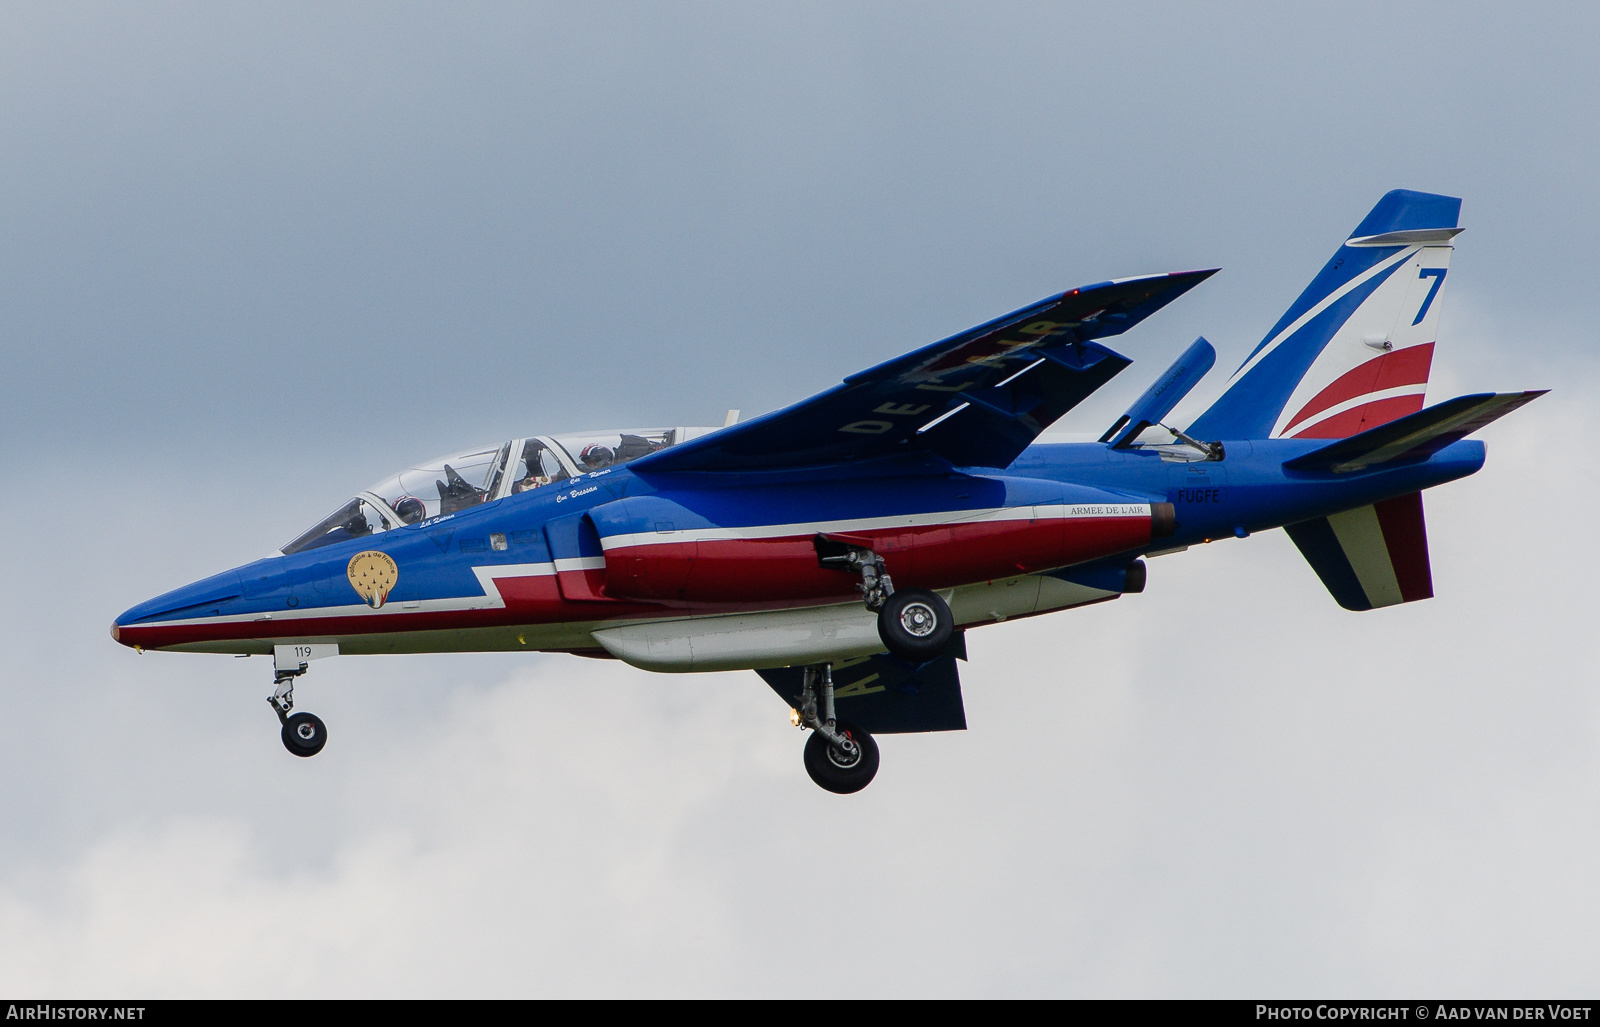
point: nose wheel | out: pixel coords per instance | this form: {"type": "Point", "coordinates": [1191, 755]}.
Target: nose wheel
{"type": "Point", "coordinates": [303, 734]}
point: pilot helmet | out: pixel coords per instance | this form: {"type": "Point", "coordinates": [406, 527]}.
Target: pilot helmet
{"type": "Point", "coordinates": [410, 509]}
{"type": "Point", "coordinates": [596, 456]}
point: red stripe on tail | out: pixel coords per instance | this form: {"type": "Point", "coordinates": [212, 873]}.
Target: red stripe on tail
{"type": "Point", "coordinates": [1358, 419]}
{"type": "Point", "coordinates": [1407, 366]}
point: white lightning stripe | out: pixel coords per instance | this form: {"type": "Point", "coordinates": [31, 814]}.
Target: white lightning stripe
{"type": "Point", "coordinates": [1327, 302]}
{"type": "Point", "coordinates": [1417, 389]}
{"type": "Point", "coordinates": [942, 518]}
{"type": "Point", "coordinates": [582, 563]}
{"type": "Point", "coordinates": [486, 576]}
{"type": "Point", "coordinates": [515, 570]}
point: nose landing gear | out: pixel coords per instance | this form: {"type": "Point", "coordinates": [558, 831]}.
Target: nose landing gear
{"type": "Point", "coordinates": [303, 734]}
{"type": "Point", "coordinates": [840, 758]}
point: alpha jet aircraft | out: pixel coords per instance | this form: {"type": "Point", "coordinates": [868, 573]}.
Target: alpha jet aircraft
{"type": "Point", "coordinates": [841, 547]}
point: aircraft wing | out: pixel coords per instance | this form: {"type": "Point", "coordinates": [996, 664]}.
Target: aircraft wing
{"type": "Point", "coordinates": [975, 399]}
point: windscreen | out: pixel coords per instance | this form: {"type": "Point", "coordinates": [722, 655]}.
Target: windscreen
{"type": "Point", "coordinates": [356, 519]}
{"type": "Point", "coordinates": [439, 487]}
{"type": "Point", "coordinates": [442, 486]}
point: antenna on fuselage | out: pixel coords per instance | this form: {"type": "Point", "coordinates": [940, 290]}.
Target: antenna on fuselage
{"type": "Point", "coordinates": [731, 420]}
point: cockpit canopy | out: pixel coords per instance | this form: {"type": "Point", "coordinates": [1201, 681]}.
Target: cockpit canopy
{"type": "Point", "coordinates": [451, 483]}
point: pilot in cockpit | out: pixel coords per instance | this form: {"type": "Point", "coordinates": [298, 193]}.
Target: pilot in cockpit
{"type": "Point", "coordinates": [410, 509]}
{"type": "Point", "coordinates": [540, 467]}
{"type": "Point", "coordinates": [596, 457]}
{"type": "Point", "coordinates": [357, 525]}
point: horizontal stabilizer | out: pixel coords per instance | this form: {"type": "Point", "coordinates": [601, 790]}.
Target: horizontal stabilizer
{"type": "Point", "coordinates": [884, 695]}
{"type": "Point", "coordinates": [1370, 557]}
{"type": "Point", "coordinates": [1163, 394]}
{"type": "Point", "coordinates": [1415, 436]}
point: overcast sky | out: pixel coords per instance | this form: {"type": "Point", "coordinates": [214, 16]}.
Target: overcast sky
{"type": "Point", "coordinates": [253, 258]}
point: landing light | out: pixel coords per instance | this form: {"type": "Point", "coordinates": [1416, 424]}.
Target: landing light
{"type": "Point", "coordinates": [794, 717]}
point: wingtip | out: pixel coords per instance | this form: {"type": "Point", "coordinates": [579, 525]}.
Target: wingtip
{"type": "Point", "coordinates": [1194, 276]}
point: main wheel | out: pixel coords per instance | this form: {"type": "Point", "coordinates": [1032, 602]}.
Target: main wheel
{"type": "Point", "coordinates": [836, 772]}
{"type": "Point", "coordinates": [304, 734]}
{"type": "Point", "coordinates": [915, 624]}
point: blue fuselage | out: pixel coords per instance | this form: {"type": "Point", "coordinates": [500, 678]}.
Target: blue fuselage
{"type": "Point", "coordinates": [1247, 491]}
{"type": "Point", "coordinates": [486, 576]}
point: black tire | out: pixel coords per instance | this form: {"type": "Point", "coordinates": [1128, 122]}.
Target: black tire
{"type": "Point", "coordinates": [915, 624]}
{"type": "Point", "coordinates": [304, 734]}
{"type": "Point", "coordinates": [828, 768]}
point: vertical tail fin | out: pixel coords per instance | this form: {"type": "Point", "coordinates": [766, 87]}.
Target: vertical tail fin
{"type": "Point", "coordinates": [1354, 351]}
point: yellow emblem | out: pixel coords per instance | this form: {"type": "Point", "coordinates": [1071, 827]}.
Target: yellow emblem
{"type": "Point", "coordinates": [372, 574]}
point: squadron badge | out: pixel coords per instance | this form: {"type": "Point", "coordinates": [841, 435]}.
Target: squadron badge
{"type": "Point", "coordinates": [372, 574]}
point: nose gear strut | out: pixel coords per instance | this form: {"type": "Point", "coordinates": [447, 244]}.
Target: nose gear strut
{"type": "Point", "coordinates": [282, 697]}
{"type": "Point", "coordinates": [303, 734]}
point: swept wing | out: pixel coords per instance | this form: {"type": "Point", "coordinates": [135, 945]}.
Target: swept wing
{"type": "Point", "coordinates": [975, 399]}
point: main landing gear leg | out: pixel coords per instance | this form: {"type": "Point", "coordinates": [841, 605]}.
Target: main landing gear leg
{"type": "Point", "coordinates": [914, 623]}
{"type": "Point", "coordinates": [838, 757]}
{"type": "Point", "coordinates": [303, 734]}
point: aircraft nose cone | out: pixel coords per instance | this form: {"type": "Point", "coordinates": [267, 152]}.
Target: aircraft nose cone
{"type": "Point", "coordinates": [122, 620]}
{"type": "Point", "coordinates": [194, 600]}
